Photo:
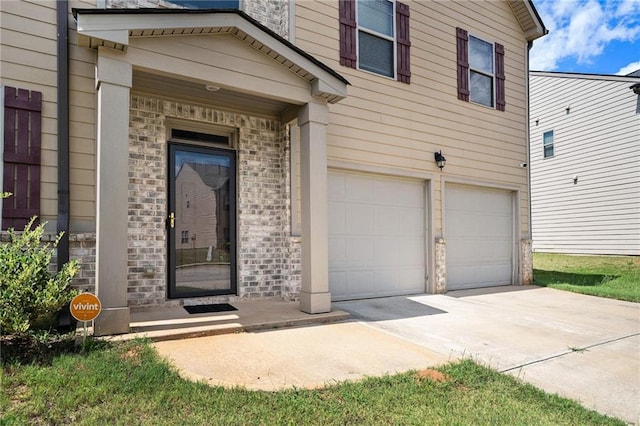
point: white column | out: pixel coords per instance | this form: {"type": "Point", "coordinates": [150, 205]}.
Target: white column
{"type": "Point", "coordinates": [113, 81]}
{"type": "Point", "coordinates": [314, 296]}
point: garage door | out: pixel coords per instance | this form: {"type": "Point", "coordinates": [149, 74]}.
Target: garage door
{"type": "Point", "coordinates": [479, 235]}
{"type": "Point", "coordinates": [376, 236]}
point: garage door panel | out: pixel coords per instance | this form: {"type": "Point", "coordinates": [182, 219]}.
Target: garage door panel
{"type": "Point", "coordinates": [360, 252]}
{"type": "Point", "coordinates": [337, 217]}
{"type": "Point", "coordinates": [359, 188]}
{"type": "Point", "coordinates": [476, 276]}
{"type": "Point", "coordinates": [382, 238]}
{"type": "Point", "coordinates": [359, 283]}
{"type": "Point", "coordinates": [338, 280]}
{"type": "Point", "coordinates": [410, 219]}
{"type": "Point", "coordinates": [338, 185]}
{"type": "Point", "coordinates": [337, 251]}
{"type": "Point", "coordinates": [479, 234]}
{"type": "Point", "coordinates": [384, 281]}
{"type": "Point", "coordinates": [360, 219]}
{"type": "Point", "coordinates": [385, 220]}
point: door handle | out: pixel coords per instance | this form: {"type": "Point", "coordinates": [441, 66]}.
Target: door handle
{"type": "Point", "coordinates": [172, 220]}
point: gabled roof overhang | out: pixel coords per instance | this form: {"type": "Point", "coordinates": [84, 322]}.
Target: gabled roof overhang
{"type": "Point", "coordinates": [114, 28]}
{"type": "Point", "coordinates": [529, 20]}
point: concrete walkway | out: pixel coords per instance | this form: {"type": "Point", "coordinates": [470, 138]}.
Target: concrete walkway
{"type": "Point", "coordinates": [582, 347]}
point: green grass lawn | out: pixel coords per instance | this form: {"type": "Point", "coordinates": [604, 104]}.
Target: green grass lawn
{"type": "Point", "coordinates": [615, 277]}
{"type": "Point", "coordinates": [127, 383]}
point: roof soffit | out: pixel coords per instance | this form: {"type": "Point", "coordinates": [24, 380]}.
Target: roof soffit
{"type": "Point", "coordinates": [114, 30]}
{"type": "Point", "coordinates": [528, 18]}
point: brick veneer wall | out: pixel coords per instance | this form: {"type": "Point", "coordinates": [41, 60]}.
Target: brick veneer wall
{"type": "Point", "coordinates": [82, 247]}
{"type": "Point", "coordinates": [273, 14]}
{"type": "Point", "coordinates": [268, 258]}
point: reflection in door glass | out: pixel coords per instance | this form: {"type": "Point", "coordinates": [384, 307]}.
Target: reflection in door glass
{"type": "Point", "coordinates": [202, 222]}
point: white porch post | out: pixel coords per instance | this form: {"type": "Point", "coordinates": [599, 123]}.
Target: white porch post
{"type": "Point", "coordinates": [314, 296]}
{"type": "Point", "coordinates": [113, 81]}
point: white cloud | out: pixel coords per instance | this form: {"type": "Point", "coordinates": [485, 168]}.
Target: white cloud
{"type": "Point", "coordinates": [581, 29]}
{"type": "Point", "coordinates": [633, 66]}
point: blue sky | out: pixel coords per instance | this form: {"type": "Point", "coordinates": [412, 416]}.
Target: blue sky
{"type": "Point", "coordinates": [588, 36]}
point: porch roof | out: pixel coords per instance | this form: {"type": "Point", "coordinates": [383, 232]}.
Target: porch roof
{"type": "Point", "coordinates": [114, 27]}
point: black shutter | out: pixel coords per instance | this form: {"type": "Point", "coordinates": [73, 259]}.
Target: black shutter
{"type": "Point", "coordinates": [21, 168]}
{"type": "Point", "coordinates": [348, 55]}
{"type": "Point", "coordinates": [500, 98]}
{"type": "Point", "coordinates": [463, 64]}
{"type": "Point", "coordinates": [404, 43]}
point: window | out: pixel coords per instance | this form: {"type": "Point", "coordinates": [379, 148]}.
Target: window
{"type": "Point", "coordinates": [208, 4]}
{"type": "Point", "coordinates": [547, 144]}
{"type": "Point", "coordinates": [184, 237]}
{"type": "Point", "coordinates": [480, 71]}
{"type": "Point", "coordinates": [374, 36]}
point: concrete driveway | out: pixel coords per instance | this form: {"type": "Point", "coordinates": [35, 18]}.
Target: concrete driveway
{"type": "Point", "coordinates": [582, 347]}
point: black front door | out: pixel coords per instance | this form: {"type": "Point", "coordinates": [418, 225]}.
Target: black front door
{"type": "Point", "coordinates": [202, 221]}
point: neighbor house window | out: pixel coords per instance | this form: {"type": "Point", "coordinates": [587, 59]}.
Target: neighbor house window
{"type": "Point", "coordinates": [480, 71]}
{"type": "Point", "coordinates": [184, 237]}
{"type": "Point", "coordinates": [374, 36]}
{"type": "Point", "coordinates": [547, 143]}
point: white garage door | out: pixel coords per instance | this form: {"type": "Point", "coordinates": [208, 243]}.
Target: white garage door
{"type": "Point", "coordinates": [376, 236]}
{"type": "Point", "coordinates": [479, 235]}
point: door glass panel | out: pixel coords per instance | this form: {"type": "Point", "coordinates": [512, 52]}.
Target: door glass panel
{"type": "Point", "coordinates": [203, 226]}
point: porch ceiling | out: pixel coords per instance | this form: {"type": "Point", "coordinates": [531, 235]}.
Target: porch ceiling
{"type": "Point", "coordinates": [175, 88]}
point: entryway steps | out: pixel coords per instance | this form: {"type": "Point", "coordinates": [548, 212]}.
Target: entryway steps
{"type": "Point", "coordinates": [176, 323]}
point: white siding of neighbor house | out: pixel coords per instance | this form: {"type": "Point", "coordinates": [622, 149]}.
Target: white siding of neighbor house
{"type": "Point", "coordinates": [387, 125]}
{"type": "Point", "coordinates": [598, 141]}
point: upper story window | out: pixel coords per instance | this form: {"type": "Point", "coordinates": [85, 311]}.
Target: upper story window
{"type": "Point", "coordinates": [480, 71]}
{"type": "Point", "coordinates": [208, 4]}
{"type": "Point", "coordinates": [374, 36]}
{"type": "Point", "coordinates": [547, 144]}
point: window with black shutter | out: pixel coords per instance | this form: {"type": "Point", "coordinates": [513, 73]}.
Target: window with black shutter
{"type": "Point", "coordinates": [21, 156]}
{"type": "Point", "coordinates": [374, 36]}
{"type": "Point", "coordinates": [480, 71]}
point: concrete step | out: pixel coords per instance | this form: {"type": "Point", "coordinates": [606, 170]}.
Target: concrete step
{"type": "Point", "coordinates": [175, 323]}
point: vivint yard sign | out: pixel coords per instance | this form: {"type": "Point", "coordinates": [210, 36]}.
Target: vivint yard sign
{"type": "Point", "coordinates": [85, 307]}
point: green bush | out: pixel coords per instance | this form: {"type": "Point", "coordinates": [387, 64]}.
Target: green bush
{"type": "Point", "coordinates": [28, 291]}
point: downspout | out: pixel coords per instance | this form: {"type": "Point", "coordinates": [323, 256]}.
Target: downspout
{"type": "Point", "coordinates": [530, 233]}
{"type": "Point", "coordinates": [62, 18]}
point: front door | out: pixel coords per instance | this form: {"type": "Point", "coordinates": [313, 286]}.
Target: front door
{"type": "Point", "coordinates": [201, 222]}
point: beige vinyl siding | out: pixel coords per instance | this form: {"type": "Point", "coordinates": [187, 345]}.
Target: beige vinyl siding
{"type": "Point", "coordinates": [384, 123]}
{"type": "Point", "coordinates": [597, 141]}
{"type": "Point", "coordinates": [28, 42]}
{"type": "Point", "coordinates": [82, 131]}
{"type": "Point", "coordinates": [28, 61]}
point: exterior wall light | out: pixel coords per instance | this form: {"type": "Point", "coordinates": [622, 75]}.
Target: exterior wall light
{"type": "Point", "coordinates": [440, 160]}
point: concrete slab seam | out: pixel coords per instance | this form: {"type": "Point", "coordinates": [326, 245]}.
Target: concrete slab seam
{"type": "Point", "coordinates": [569, 352]}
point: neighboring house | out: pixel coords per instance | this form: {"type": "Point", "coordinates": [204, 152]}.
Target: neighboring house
{"type": "Point", "coordinates": [585, 163]}
{"type": "Point", "coordinates": [329, 117]}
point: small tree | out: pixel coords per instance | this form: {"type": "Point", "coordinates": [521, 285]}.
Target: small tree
{"type": "Point", "coordinates": [28, 290]}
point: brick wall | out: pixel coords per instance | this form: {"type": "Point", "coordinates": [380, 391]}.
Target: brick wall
{"type": "Point", "coordinates": [273, 14]}
{"type": "Point", "coordinates": [268, 258]}
{"type": "Point", "coordinates": [82, 247]}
